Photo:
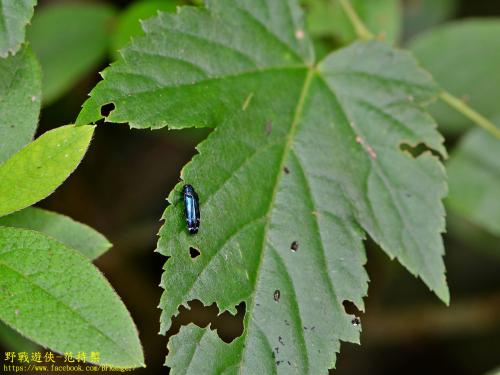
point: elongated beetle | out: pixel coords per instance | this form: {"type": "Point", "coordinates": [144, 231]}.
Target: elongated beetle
{"type": "Point", "coordinates": [191, 208]}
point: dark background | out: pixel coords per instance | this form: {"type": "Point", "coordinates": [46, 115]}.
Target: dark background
{"type": "Point", "coordinates": [120, 189]}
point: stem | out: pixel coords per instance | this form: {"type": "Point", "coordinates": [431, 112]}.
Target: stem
{"type": "Point", "coordinates": [460, 106]}
{"type": "Point", "coordinates": [361, 30]}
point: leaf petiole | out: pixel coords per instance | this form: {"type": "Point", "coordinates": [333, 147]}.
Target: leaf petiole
{"type": "Point", "coordinates": [457, 104]}
{"type": "Point", "coordinates": [460, 106]}
{"type": "Point", "coordinates": [361, 30]}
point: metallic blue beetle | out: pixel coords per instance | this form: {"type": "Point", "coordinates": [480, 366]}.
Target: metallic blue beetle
{"type": "Point", "coordinates": [191, 208]}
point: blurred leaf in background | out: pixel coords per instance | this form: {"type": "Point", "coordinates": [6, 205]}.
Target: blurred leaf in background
{"type": "Point", "coordinates": [62, 228]}
{"type": "Point", "coordinates": [325, 18]}
{"type": "Point", "coordinates": [20, 98]}
{"type": "Point", "coordinates": [128, 22]}
{"type": "Point", "coordinates": [14, 16]}
{"type": "Point", "coordinates": [494, 372]}
{"type": "Point", "coordinates": [420, 15]}
{"type": "Point", "coordinates": [474, 180]}
{"type": "Point", "coordinates": [464, 58]}
{"type": "Point", "coordinates": [70, 40]}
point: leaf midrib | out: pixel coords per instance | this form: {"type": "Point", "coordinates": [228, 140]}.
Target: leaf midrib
{"type": "Point", "coordinates": [279, 175]}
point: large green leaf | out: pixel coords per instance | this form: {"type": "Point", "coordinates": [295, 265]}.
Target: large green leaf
{"type": "Point", "coordinates": [14, 16]}
{"type": "Point", "coordinates": [327, 18]}
{"type": "Point", "coordinates": [64, 229]}
{"type": "Point", "coordinates": [302, 151]}
{"type": "Point", "coordinates": [38, 169]}
{"type": "Point", "coordinates": [471, 47]}
{"type": "Point", "coordinates": [56, 297]}
{"type": "Point", "coordinates": [20, 98]}
{"type": "Point", "coordinates": [474, 177]}
{"type": "Point", "coordinates": [70, 40]}
{"type": "Point", "coordinates": [129, 22]}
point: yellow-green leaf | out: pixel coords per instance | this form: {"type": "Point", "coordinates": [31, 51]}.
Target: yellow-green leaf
{"type": "Point", "coordinates": [39, 168]}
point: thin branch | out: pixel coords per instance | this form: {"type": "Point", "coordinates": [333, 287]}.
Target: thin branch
{"type": "Point", "coordinates": [361, 30]}
{"type": "Point", "coordinates": [460, 106]}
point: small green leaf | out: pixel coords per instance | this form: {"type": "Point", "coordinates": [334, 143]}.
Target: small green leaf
{"type": "Point", "coordinates": [302, 151]}
{"type": "Point", "coordinates": [128, 23]}
{"type": "Point", "coordinates": [70, 40]}
{"type": "Point", "coordinates": [471, 48]}
{"type": "Point", "coordinates": [474, 178]}
{"type": "Point", "coordinates": [20, 98]}
{"type": "Point", "coordinates": [71, 233]}
{"type": "Point", "coordinates": [14, 16]}
{"type": "Point", "coordinates": [37, 170]}
{"type": "Point", "coordinates": [327, 18]}
{"type": "Point", "coordinates": [57, 298]}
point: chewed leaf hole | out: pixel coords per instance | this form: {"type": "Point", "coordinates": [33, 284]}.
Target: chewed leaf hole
{"type": "Point", "coordinates": [417, 150]}
{"type": "Point", "coordinates": [350, 308]}
{"type": "Point", "coordinates": [106, 109]}
{"type": "Point", "coordinates": [227, 326]}
{"type": "Point", "coordinates": [194, 252]}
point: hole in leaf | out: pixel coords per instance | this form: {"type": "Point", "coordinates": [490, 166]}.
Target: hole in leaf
{"type": "Point", "coordinates": [417, 150]}
{"type": "Point", "coordinates": [277, 295]}
{"type": "Point", "coordinates": [350, 308]}
{"type": "Point", "coordinates": [106, 109]}
{"type": "Point", "coordinates": [194, 252]}
{"type": "Point", "coordinates": [227, 326]}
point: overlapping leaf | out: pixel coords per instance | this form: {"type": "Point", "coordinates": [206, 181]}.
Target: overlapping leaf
{"type": "Point", "coordinates": [20, 98]}
{"type": "Point", "coordinates": [302, 152]}
{"type": "Point", "coordinates": [56, 297]}
{"type": "Point", "coordinates": [14, 16]}
{"type": "Point", "coordinates": [474, 174]}
{"type": "Point", "coordinates": [73, 234]}
{"type": "Point", "coordinates": [38, 169]}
